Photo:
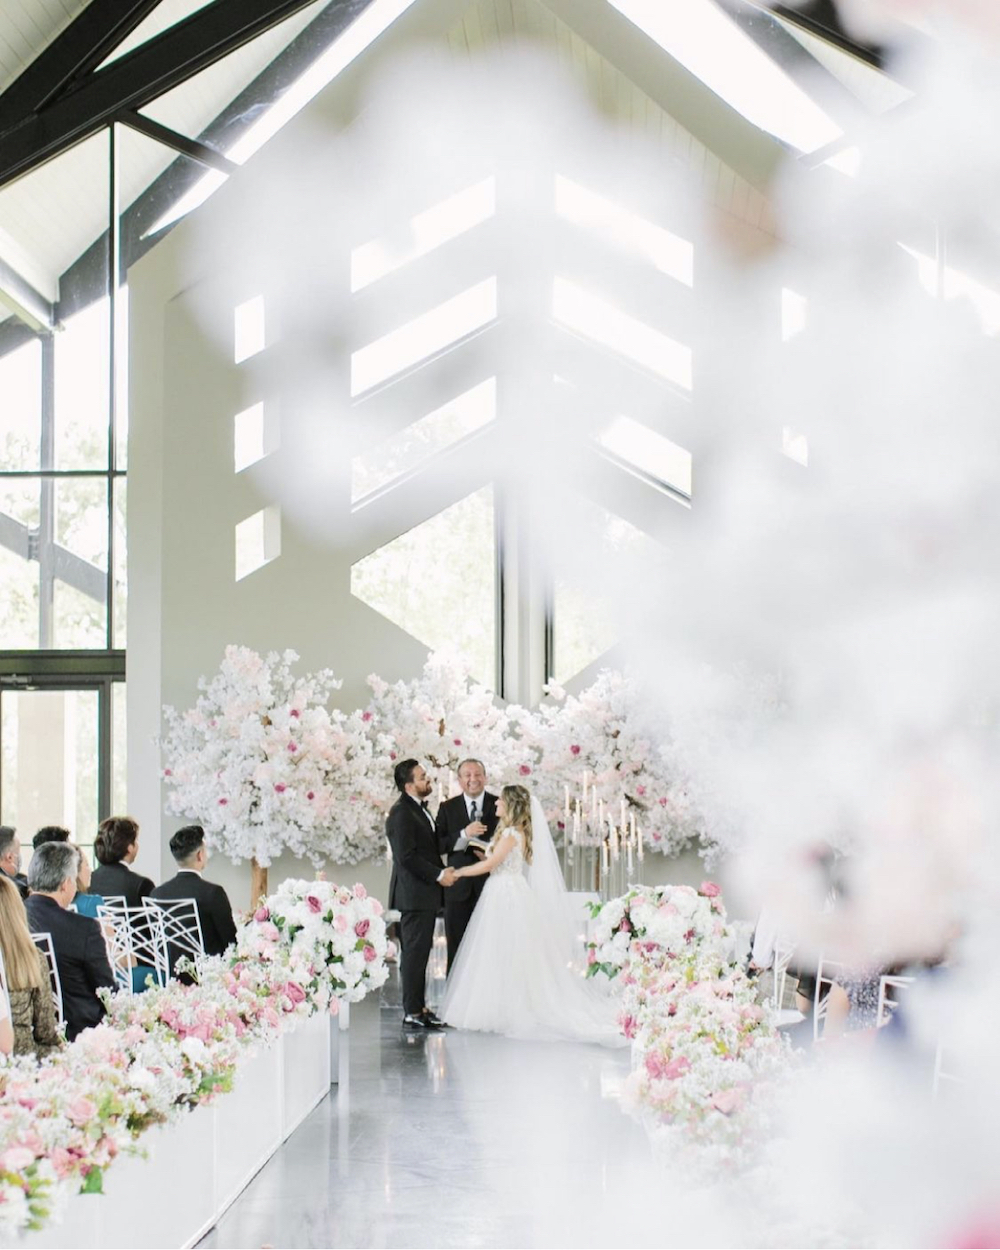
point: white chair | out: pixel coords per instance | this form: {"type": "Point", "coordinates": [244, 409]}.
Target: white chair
{"type": "Point", "coordinates": [783, 1016]}
{"type": "Point", "coordinates": [940, 1073]}
{"type": "Point", "coordinates": [179, 933]}
{"type": "Point", "coordinates": [887, 1003]}
{"type": "Point", "coordinates": [827, 971]}
{"type": "Point", "coordinates": [134, 939]}
{"type": "Point", "coordinates": [44, 943]}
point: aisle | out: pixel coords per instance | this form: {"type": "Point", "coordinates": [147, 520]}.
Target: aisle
{"type": "Point", "coordinates": [449, 1140]}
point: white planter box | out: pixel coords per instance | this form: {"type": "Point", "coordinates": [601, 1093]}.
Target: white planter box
{"type": "Point", "coordinates": [216, 1149]}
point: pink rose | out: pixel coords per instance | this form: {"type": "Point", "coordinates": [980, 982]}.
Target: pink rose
{"type": "Point", "coordinates": [261, 914]}
{"type": "Point", "coordinates": [168, 772]}
{"type": "Point", "coordinates": [726, 1100]}
{"type": "Point", "coordinates": [280, 787]}
{"type": "Point", "coordinates": [223, 802]}
{"type": "Point", "coordinates": [457, 741]}
{"type": "Point", "coordinates": [310, 794]}
{"type": "Point", "coordinates": [366, 717]}
{"type": "Point", "coordinates": [295, 712]}
{"type": "Point", "coordinates": [314, 904]}
{"type": "Point", "coordinates": [709, 889]}
{"type": "Point", "coordinates": [340, 924]}
{"type": "Point", "coordinates": [663, 802]}
{"type": "Point", "coordinates": [270, 932]}
{"type": "Point", "coordinates": [628, 1026]}
{"type": "Point", "coordinates": [360, 891]}
{"type": "Point", "coordinates": [81, 1110]}
{"type": "Point", "coordinates": [15, 1158]}
{"type": "Point", "coordinates": [361, 928]}
{"type": "Point", "coordinates": [574, 749]}
{"type": "Point", "coordinates": [334, 1006]}
{"type": "Point", "coordinates": [524, 770]}
{"type": "Point", "coordinates": [295, 993]}
{"type": "Point", "coordinates": [293, 747]}
{"type": "Point", "coordinates": [61, 1159]}
{"type": "Point", "coordinates": [591, 956]}
{"type": "Point", "coordinates": [676, 1068]}
{"type": "Point", "coordinates": [371, 954]}
{"type": "Point", "coordinates": [392, 755]}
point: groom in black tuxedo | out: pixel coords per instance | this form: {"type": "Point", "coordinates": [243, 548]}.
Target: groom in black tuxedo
{"type": "Point", "coordinates": [415, 886]}
{"type": "Point", "coordinates": [471, 814]}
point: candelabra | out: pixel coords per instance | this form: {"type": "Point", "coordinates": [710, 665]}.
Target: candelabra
{"type": "Point", "coordinates": [603, 851]}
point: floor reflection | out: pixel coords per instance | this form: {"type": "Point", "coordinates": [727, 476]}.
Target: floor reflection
{"type": "Point", "coordinates": [451, 1140]}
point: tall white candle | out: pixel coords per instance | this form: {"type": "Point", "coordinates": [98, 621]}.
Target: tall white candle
{"type": "Point", "coordinates": [623, 812]}
{"type": "Point", "coordinates": [567, 803]}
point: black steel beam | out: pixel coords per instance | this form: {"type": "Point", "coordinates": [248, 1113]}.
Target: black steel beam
{"type": "Point", "coordinates": [198, 151]}
{"type": "Point", "coordinates": [29, 304]}
{"type": "Point", "coordinates": [82, 46]}
{"type": "Point", "coordinates": [141, 75]}
{"type": "Point", "coordinates": [822, 18]}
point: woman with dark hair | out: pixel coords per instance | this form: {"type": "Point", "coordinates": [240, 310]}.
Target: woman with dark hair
{"type": "Point", "coordinates": [115, 847]}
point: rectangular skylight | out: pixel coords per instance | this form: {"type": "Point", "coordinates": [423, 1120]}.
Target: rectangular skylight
{"type": "Point", "coordinates": [590, 315]}
{"type": "Point", "coordinates": [730, 63]}
{"type": "Point", "coordinates": [423, 233]}
{"type": "Point", "coordinates": [424, 336]}
{"type": "Point", "coordinates": [652, 454]}
{"type": "Point", "coordinates": [666, 251]}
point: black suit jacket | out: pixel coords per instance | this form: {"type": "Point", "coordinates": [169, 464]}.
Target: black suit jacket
{"type": "Point", "coordinates": [117, 880]}
{"type": "Point", "coordinates": [218, 929]}
{"type": "Point", "coordinates": [20, 881]}
{"type": "Point", "coordinates": [81, 958]}
{"type": "Point", "coordinates": [452, 821]}
{"type": "Point", "coordinates": [416, 860]}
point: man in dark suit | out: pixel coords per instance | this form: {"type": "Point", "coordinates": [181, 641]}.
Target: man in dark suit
{"type": "Point", "coordinates": [415, 887]}
{"type": "Point", "coordinates": [471, 814]}
{"type": "Point", "coordinates": [10, 859]}
{"type": "Point", "coordinates": [218, 929]}
{"type": "Point", "coordinates": [81, 956]}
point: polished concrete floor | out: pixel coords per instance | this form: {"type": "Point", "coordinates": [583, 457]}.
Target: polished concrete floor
{"type": "Point", "coordinates": [452, 1140]}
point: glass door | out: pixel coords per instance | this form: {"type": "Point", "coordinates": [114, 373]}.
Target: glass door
{"type": "Point", "coordinates": [51, 760]}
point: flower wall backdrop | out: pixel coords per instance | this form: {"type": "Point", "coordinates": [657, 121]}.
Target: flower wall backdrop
{"type": "Point", "coordinates": [265, 765]}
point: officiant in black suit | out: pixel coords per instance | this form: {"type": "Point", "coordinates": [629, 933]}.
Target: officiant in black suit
{"type": "Point", "coordinates": [415, 888]}
{"type": "Point", "coordinates": [471, 814]}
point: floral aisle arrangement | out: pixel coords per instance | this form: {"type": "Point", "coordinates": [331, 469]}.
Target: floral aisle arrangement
{"type": "Point", "coordinates": [264, 765]}
{"type": "Point", "coordinates": [330, 939]}
{"type": "Point", "coordinates": [62, 1123]}
{"type": "Point", "coordinates": [703, 1048]}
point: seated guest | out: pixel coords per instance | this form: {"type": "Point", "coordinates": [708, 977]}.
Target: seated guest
{"type": "Point", "coordinates": [33, 1014]}
{"type": "Point", "coordinates": [6, 1030]}
{"type": "Point", "coordinates": [81, 957]}
{"type": "Point", "coordinates": [10, 859]}
{"type": "Point", "coordinates": [115, 848]}
{"type": "Point", "coordinates": [50, 833]}
{"type": "Point", "coordinates": [85, 903]}
{"type": "Point", "coordinates": [188, 848]}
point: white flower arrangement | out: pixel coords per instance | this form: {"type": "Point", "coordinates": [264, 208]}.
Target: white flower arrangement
{"type": "Point", "coordinates": [265, 765]}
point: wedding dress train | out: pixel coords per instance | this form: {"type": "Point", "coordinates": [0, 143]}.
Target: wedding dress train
{"type": "Point", "coordinates": [510, 975]}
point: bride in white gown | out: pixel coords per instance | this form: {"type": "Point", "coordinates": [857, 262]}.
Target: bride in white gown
{"type": "Point", "coordinates": [510, 975]}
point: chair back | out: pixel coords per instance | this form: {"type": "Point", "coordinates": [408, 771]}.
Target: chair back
{"type": "Point", "coordinates": [888, 997]}
{"type": "Point", "coordinates": [134, 938]}
{"type": "Point", "coordinates": [44, 943]}
{"type": "Point", "coordinates": [782, 958]}
{"type": "Point", "coordinates": [179, 928]}
{"type": "Point", "coordinates": [827, 971]}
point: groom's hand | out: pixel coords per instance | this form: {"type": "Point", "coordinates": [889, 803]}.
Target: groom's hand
{"type": "Point", "coordinates": [448, 877]}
